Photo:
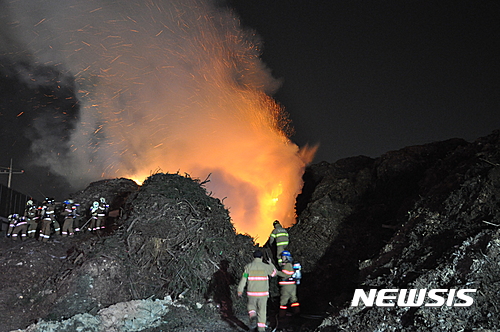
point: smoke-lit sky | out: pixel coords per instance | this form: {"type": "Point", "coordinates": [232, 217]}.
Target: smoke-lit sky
{"type": "Point", "coordinates": [357, 77]}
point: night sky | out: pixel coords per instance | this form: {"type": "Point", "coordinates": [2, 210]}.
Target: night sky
{"type": "Point", "coordinates": [358, 77]}
{"type": "Point", "coordinates": [367, 77]}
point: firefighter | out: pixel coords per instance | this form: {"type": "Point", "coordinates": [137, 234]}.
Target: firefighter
{"type": "Point", "coordinates": [48, 217]}
{"type": "Point", "coordinates": [102, 214]}
{"type": "Point", "coordinates": [13, 218]}
{"type": "Point", "coordinates": [288, 285]}
{"type": "Point", "coordinates": [69, 214]}
{"type": "Point", "coordinates": [280, 235]}
{"type": "Point", "coordinates": [31, 216]}
{"type": "Point", "coordinates": [256, 279]}
{"type": "Point", "coordinates": [21, 227]}
{"type": "Point", "coordinates": [94, 210]}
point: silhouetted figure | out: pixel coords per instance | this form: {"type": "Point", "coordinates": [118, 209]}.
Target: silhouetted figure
{"type": "Point", "coordinates": [220, 291]}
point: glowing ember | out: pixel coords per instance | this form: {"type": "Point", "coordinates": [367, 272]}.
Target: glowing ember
{"type": "Point", "coordinates": [176, 86]}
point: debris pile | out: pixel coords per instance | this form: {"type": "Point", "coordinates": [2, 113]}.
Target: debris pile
{"type": "Point", "coordinates": [177, 235]}
{"type": "Point", "coordinates": [443, 234]}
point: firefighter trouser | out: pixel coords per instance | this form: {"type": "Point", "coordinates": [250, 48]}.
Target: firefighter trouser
{"type": "Point", "coordinates": [32, 225]}
{"type": "Point", "coordinates": [67, 228]}
{"type": "Point", "coordinates": [92, 225]}
{"type": "Point", "coordinates": [45, 230]}
{"type": "Point", "coordinates": [257, 306]}
{"type": "Point", "coordinates": [288, 293]}
{"type": "Point", "coordinates": [100, 223]}
{"type": "Point", "coordinates": [12, 225]}
{"type": "Point", "coordinates": [279, 250]}
{"type": "Point", "coordinates": [21, 227]}
{"type": "Point", "coordinates": [57, 227]}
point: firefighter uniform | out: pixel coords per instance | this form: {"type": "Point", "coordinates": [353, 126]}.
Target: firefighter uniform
{"type": "Point", "coordinates": [94, 210]}
{"type": "Point", "coordinates": [31, 215]}
{"type": "Point", "coordinates": [256, 279]}
{"type": "Point", "coordinates": [13, 219]}
{"type": "Point", "coordinates": [20, 229]}
{"type": "Point", "coordinates": [280, 235]}
{"type": "Point", "coordinates": [48, 216]}
{"type": "Point", "coordinates": [69, 214]}
{"type": "Point", "coordinates": [102, 212]}
{"type": "Point", "coordinates": [288, 289]}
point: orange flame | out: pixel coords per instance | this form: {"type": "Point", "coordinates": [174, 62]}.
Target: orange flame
{"type": "Point", "coordinates": [255, 169]}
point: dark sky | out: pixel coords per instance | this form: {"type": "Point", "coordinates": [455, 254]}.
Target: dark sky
{"type": "Point", "coordinates": [359, 77]}
{"type": "Point", "coordinates": [367, 77]}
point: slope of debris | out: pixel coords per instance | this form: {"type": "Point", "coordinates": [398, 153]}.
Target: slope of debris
{"type": "Point", "coordinates": [421, 217]}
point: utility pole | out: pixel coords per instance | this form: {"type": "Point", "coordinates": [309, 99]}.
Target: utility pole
{"type": "Point", "coordinates": [10, 172]}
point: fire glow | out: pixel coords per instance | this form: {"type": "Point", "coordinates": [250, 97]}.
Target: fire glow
{"type": "Point", "coordinates": [176, 86]}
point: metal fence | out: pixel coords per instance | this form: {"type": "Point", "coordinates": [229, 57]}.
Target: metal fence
{"type": "Point", "coordinates": [11, 201]}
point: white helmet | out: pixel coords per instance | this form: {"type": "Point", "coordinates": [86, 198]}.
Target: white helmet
{"type": "Point", "coordinates": [102, 199]}
{"type": "Point", "coordinates": [95, 204]}
{"type": "Point", "coordinates": [29, 202]}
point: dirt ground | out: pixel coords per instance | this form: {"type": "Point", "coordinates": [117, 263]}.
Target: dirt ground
{"type": "Point", "coordinates": [27, 270]}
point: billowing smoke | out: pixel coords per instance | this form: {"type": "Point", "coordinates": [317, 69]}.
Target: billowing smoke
{"type": "Point", "coordinates": [164, 85]}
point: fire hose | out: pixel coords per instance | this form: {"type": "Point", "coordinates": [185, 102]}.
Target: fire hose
{"type": "Point", "coordinates": [83, 226]}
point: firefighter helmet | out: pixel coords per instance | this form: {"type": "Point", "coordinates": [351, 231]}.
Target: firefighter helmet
{"type": "Point", "coordinates": [102, 199]}
{"type": "Point", "coordinates": [95, 204]}
{"type": "Point", "coordinates": [276, 222]}
{"type": "Point", "coordinates": [287, 256]}
{"type": "Point", "coordinates": [286, 253]}
{"type": "Point", "coordinates": [29, 202]}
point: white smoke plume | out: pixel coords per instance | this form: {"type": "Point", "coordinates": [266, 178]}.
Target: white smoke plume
{"type": "Point", "coordinates": [176, 85]}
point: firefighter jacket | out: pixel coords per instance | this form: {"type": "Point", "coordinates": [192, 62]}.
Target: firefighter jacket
{"type": "Point", "coordinates": [286, 274]}
{"type": "Point", "coordinates": [31, 212]}
{"type": "Point", "coordinates": [280, 235]}
{"type": "Point", "coordinates": [69, 211]}
{"type": "Point", "coordinates": [102, 210]}
{"type": "Point", "coordinates": [256, 278]}
{"type": "Point", "coordinates": [48, 212]}
{"type": "Point", "coordinates": [14, 220]}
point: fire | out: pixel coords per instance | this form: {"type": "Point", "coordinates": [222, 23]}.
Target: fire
{"type": "Point", "coordinates": [176, 86]}
{"type": "Point", "coordinates": [254, 168]}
